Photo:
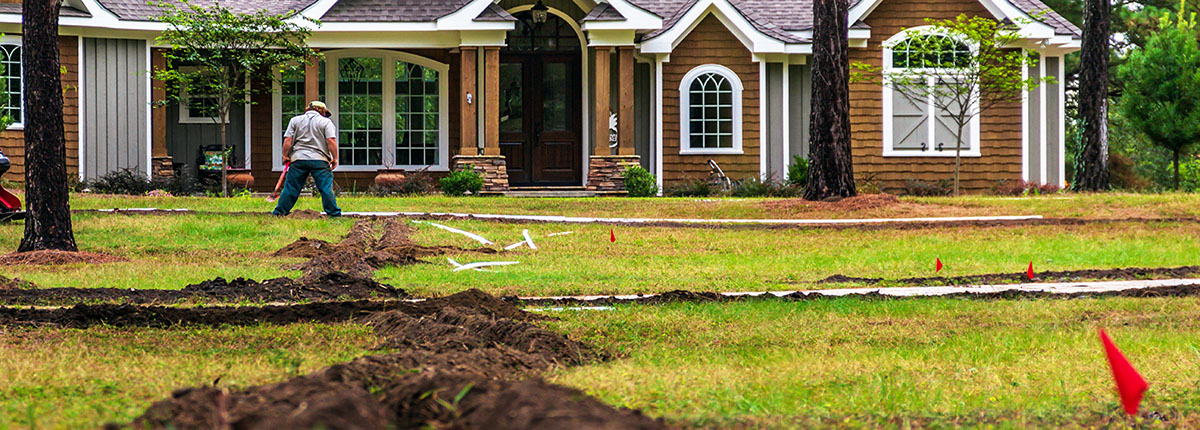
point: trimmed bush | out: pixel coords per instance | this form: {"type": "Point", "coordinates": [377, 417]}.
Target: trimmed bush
{"type": "Point", "coordinates": [798, 172]}
{"type": "Point", "coordinates": [919, 188]}
{"type": "Point", "coordinates": [124, 181]}
{"type": "Point", "coordinates": [691, 188]}
{"type": "Point", "coordinates": [752, 187]}
{"type": "Point", "coordinates": [461, 182]}
{"type": "Point", "coordinates": [640, 182]}
{"type": "Point", "coordinates": [417, 183]}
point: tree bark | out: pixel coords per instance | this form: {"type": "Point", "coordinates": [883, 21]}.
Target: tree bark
{"type": "Point", "coordinates": [48, 223]}
{"type": "Point", "coordinates": [830, 172]}
{"type": "Point", "coordinates": [1092, 168]}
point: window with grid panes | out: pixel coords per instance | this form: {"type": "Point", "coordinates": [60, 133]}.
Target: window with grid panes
{"type": "Point", "coordinates": [417, 121]}
{"type": "Point", "coordinates": [360, 102]}
{"type": "Point", "coordinates": [10, 57]}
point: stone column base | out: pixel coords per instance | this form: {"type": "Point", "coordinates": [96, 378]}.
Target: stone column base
{"type": "Point", "coordinates": [491, 167]}
{"type": "Point", "coordinates": [606, 173]}
{"type": "Point", "coordinates": [162, 168]}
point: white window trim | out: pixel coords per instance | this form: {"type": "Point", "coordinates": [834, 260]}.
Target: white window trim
{"type": "Point", "coordinates": [389, 108]}
{"type": "Point", "coordinates": [685, 132]}
{"type": "Point", "coordinates": [18, 123]}
{"type": "Point", "coordinates": [889, 95]}
{"type": "Point", "coordinates": [185, 112]}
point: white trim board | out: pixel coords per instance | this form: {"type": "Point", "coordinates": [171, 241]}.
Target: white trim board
{"type": "Point", "coordinates": [930, 291]}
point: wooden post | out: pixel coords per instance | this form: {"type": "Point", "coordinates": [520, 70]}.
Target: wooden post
{"type": "Point", "coordinates": [491, 123]}
{"type": "Point", "coordinates": [158, 138]}
{"type": "Point", "coordinates": [468, 100]}
{"type": "Point", "coordinates": [312, 82]}
{"type": "Point", "coordinates": [602, 107]}
{"type": "Point", "coordinates": [625, 114]}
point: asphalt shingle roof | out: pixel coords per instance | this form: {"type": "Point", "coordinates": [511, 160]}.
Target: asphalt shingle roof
{"type": "Point", "coordinates": [604, 12]}
{"type": "Point", "coordinates": [391, 10]}
{"type": "Point", "coordinates": [142, 10]}
{"type": "Point", "coordinates": [15, 8]}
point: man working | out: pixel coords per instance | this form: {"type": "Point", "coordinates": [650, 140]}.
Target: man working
{"type": "Point", "coordinates": [310, 146]}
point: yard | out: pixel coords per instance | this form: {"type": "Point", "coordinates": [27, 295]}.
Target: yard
{"type": "Point", "coordinates": [854, 362]}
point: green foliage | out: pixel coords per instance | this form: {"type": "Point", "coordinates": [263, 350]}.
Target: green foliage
{"type": "Point", "coordinates": [124, 181]}
{"type": "Point", "coordinates": [461, 182]}
{"type": "Point", "coordinates": [919, 188]}
{"type": "Point", "coordinates": [640, 182]}
{"type": "Point", "coordinates": [691, 188]}
{"type": "Point", "coordinates": [1189, 175]}
{"type": "Point", "coordinates": [1162, 93]}
{"type": "Point", "coordinates": [965, 65]}
{"type": "Point", "coordinates": [798, 172]}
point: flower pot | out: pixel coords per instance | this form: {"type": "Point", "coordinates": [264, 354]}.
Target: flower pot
{"type": "Point", "coordinates": [388, 178]}
{"type": "Point", "coordinates": [240, 178]}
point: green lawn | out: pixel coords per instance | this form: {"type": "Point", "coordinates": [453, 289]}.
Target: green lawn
{"type": "Point", "coordinates": [176, 250]}
{"type": "Point", "coordinates": [74, 379]}
{"type": "Point", "coordinates": [924, 363]}
{"type": "Point", "coordinates": [1113, 205]}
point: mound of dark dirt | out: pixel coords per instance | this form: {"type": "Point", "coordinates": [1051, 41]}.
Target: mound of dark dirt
{"type": "Point", "coordinates": [304, 248]}
{"type": "Point", "coordinates": [361, 253]}
{"type": "Point", "coordinates": [50, 257]}
{"type": "Point", "coordinates": [457, 368]}
{"type": "Point", "coordinates": [326, 287]}
{"type": "Point", "coordinates": [306, 214]}
{"type": "Point", "coordinates": [1131, 273]}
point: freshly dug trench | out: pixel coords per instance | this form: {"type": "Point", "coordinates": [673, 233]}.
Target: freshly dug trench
{"type": "Point", "coordinates": [701, 297]}
{"type": "Point", "coordinates": [1131, 273]}
{"type": "Point", "coordinates": [14, 283]}
{"type": "Point", "coordinates": [326, 287]}
{"type": "Point", "coordinates": [458, 368]}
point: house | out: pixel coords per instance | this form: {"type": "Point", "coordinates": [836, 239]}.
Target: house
{"type": "Point", "coordinates": [551, 93]}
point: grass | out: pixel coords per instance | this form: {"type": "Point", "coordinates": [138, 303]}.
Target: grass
{"type": "Point", "coordinates": [173, 251]}
{"type": "Point", "coordinates": [70, 379]}
{"type": "Point", "coordinates": [1109, 205]}
{"type": "Point", "coordinates": [926, 363]}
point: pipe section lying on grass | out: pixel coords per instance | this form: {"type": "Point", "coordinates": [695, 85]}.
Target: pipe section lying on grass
{"type": "Point", "coordinates": [474, 236]}
{"type": "Point", "coordinates": [592, 220]}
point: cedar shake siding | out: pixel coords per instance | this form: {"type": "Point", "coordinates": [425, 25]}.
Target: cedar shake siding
{"type": "Point", "coordinates": [12, 142]}
{"type": "Point", "coordinates": [261, 129]}
{"type": "Point", "coordinates": [1000, 127]}
{"type": "Point", "coordinates": [709, 43]}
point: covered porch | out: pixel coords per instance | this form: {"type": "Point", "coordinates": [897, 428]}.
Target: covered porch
{"type": "Point", "coordinates": [530, 94]}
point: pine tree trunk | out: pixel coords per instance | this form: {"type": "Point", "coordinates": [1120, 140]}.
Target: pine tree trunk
{"type": "Point", "coordinates": [830, 173]}
{"type": "Point", "coordinates": [1092, 168]}
{"type": "Point", "coordinates": [48, 223]}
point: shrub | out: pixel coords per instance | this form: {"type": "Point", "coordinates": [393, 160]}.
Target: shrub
{"type": "Point", "coordinates": [917, 187]}
{"type": "Point", "coordinates": [124, 181]}
{"type": "Point", "coordinates": [753, 187]}
{"type": "Point", "coordinates": [868, 183]}
{"type": "Point", "coordinates": [798, 172]}
{"type": "Point", "coordinates": [417, 183]}
{"type": "Point", "coordinates": [1123, 174]}
{"type": "Point", "coordinates": [691, 188]}
{"type": "Point", "coordinates": [461, 182]}
{"type": "Point", "coordinates": [640, 182]}
{"type": "Point", "coordinates": [1023, 188]}
{"type": "Point", "coordinates": [184, 183]}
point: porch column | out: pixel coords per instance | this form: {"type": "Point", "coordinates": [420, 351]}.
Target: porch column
{"type": "Point", "coordinates": [162, 164]}
{"type": "Point", "coordinates": [602, 107]}
{"type": "Point", "coordinates": [625, 100]}
{"type": "Point", "coordinates": [467, 140]}
{"type": "Point", "coordinates": [312, 82]}
{"type": "Point", "coordinates": [491, 124]}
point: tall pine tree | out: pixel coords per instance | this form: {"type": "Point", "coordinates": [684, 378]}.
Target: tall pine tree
{"type": "Point", "coordinates": [830, 173]}
{"type": "Point", "coordinates": [1091, 169]}
{"type": "Point", "coordinates": [48, 223]}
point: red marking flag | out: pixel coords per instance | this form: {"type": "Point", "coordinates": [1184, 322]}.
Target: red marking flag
{"type": "Point", "coordinates": [612, 236]}
{"type": "Point", "coordinates": [1030, 271]}
{"type": "Point", "coordinates": [938, 265]}
{"type": "Point", "coordinates": [1130, 384]}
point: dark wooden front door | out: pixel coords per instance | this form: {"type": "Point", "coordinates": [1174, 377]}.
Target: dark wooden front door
{"type": "Point", "coordinates": [540, 118]}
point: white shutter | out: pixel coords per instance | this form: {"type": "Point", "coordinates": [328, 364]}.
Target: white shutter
{"type": "Point", "coordinates": [910, 125]}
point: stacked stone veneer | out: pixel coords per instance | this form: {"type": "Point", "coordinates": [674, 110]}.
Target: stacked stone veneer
{"type": "Point", "coordinates": [162, 168]}
{"type": "Point", "coordinates": [606, 173]}
{"type": "Point", "coordinates": [491, 167]}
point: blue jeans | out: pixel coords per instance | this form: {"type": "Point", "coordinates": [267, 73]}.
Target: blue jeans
{"type": "Point", "coordinates": [297, 175]}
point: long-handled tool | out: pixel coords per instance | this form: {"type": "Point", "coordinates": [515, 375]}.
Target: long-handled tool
{"type": "Point", "coordinates": [279, 185]}
{"type": "Point", "coordinates": [10, 205]}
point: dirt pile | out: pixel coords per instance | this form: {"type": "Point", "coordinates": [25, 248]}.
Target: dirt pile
{"type": "Point", "coordinates": [50, 258]}
{"type": "Point", "coordinates": [326, 287]}
{"type": "Point", "coordinates": [14, 284]}
{"type": "Point", "coordinates": [1130, 273]}
{"type": "Point", "coordinates": [361, 253]}
{"type": "Point", "coordinates": [458, 368]}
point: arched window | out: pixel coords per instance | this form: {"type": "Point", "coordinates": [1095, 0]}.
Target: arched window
{"type": "Point", "coordinates": [916, 127]}
{"type": "Point", "coordinates": [14, 91]}
{"type": "Point", "coordinates": [711, 111]}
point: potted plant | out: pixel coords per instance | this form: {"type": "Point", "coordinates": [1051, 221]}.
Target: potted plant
{"type": "Point", "coordinates": [388, 177]}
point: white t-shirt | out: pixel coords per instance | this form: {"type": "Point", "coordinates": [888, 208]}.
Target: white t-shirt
{"type": "Point", "coordinates": [308, 132]}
